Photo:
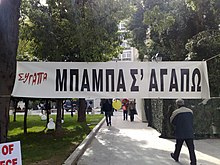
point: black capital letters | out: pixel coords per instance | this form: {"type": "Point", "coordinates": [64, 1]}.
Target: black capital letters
{"type": "Point", "coordinates": [97, 83]}
{"type": "Point", "coordinates": [153, 81]}
{"type": "Point", "coordinates": [162, 73]}
{"type": "Point", "coordinates": [121, 81]}
{"type": "Point", "coordinates": [85, 81]}
{"type": "Point", "coordinates": [133, 72]}
{"type": "Point", "coordinates": [74, 72]}
{"type": "Point", "coordinates": [184, 73]}
{"type": "Point", "coordinates": [197, 73]}
{"type": "Point", "coordinates": [61, 82]}
{"type": "Point", "coordinates": [173, 81]}
{"type": "Point", "coordinates": [110, 72]}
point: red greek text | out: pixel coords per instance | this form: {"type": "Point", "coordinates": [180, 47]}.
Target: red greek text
{"type": "Point", "coordinates": [32, 78]}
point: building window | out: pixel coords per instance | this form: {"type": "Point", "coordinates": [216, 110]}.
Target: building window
{"type": "Point", "coordinates": [125, 56]}
{"type": "Point", "coordinates": [122, 26]}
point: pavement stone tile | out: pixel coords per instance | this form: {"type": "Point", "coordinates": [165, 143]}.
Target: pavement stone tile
{"type": "Point", "coordinates": [133, 143]}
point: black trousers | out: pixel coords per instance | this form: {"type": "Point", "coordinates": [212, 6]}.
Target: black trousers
{"type": "Point", "coordinates": [190, 146]}
{"type": "Point", "coordinates": [132, 117]}
{"type": "Point", "coordinates": [125, 114]}
{"type": "Point", "coordinates": [108, 118]}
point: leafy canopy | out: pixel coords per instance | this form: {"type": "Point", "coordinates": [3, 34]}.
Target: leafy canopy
{"type": "Point", "coordinates": [71, 30]}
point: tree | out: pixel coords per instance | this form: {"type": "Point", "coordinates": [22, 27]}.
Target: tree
{"type": "Point", "coordinates": [70, 31]}
{"type": "Point", "coordinates": [82, 110]}
{"type": "Point", "coordinates": [204, 46]}
{"type": "Point", "coordinates": [75, 31]}
{"type": "Point", "coordinates": [59, 119]}
{"type": "Point", "coordinates": [178, 30]}
{"type": "Point", "coordinates": [9, 15]}
{"type": "Point", "coordinates": [138, 29]}
{"type": "Point", "coordinates": [181, 30]}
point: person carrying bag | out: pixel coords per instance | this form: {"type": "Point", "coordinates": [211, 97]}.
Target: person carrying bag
{"type": "Point", "coordinates": [132, 110]}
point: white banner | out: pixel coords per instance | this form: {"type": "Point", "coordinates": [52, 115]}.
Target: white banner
{"type": "Point", "coordinates": [165, 80]}
{"type": "Point", "coordinates": [10, 153]}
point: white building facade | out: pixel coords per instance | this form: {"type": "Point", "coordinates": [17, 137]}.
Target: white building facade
{"type": "Point", "coordinates": [129, 53]}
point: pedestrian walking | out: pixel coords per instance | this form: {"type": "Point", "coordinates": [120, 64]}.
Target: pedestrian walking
{"type": "Point", "coordinates": [132, 110]}
{"type": "Point", "coordinates": [125, 103]}
{"type": "Point", "coordinates": [125, 111]}
{"type": "Point", "coordinates": [182, 119]}
{"type": "Point", "coordinates": [107, 108]}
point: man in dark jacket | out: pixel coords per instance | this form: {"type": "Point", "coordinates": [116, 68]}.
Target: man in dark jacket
{"type": "Point", "coordinates": [107, 108]}
{"type": "Point", "coordinates": [182, 119]}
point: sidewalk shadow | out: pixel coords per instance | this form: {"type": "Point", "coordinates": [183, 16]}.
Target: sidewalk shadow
{"type": "Point", "coordinates": [110, 147]}
{"type": "Point", "coordinates": [133, 143]}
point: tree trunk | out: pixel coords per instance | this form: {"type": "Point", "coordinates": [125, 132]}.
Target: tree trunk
{"type": "Point", "coordinates": [148, 112]}
{"type": "Point", "coordinates": [47, 108]}
{"type": "Point", "coordinates": [9, 15]}
{"type": "Point", "coordinates": [25, 115]}
{"type": "Point", "coordinates": [4, 118]}
{"type": "Point", "coordinates": [62, 111]}
{"type": "Point", "coordinates": [82, 110]}
{"type": "Point", "coordinates": [59, 113]}
{"type": "Point", "coordinates": [15, 103]}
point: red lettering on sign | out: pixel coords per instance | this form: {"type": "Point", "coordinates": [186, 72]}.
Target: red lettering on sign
{"type": "Point", "coordinates": [26, 77]}
{"type": "Point", "coordinates": [14, 161]}
{"type": "Point", "coordinates": [11, 148]}
{"type": "Point", "coordinates": [7, 149]}
{"type": "Point", "coordinates": [20, 76]}
{"type": "Point", "coordinates": [32, 78]}
{"type": "Point", "coordinates": [9, 162]}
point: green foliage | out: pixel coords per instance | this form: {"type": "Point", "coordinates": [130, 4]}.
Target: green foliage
{"type": "Point", "coordinates": [180, 30]}
{"type": "Point", "coordinates": [138, 31]}
{"type": "Point", "coordinates": [46, 146]}
{"type": "Point", "coordinates": [70, 30]}
{"type": "Point", "coordinates": [158, 20]}
{"type": "Point", "coordinates": [168, 25]}
{"type": "Point", "coordinates": [206, 43]}
{"type": "Point", "coordinates": [150, 26]}
{"type": "Point", "coordinates": [204, 46]}
{"type": "Point", "coordinates": [208, 114]}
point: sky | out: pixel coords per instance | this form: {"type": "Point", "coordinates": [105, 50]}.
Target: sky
{"type": "Point", "coordinates": [41, 1]}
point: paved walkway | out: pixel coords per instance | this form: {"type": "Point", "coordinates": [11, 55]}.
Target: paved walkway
{"type": "Point", "coordinates": [133, 143]}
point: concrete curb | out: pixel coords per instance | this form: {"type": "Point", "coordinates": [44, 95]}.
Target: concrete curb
{"type": "Point", "coordinates": [74, 157]}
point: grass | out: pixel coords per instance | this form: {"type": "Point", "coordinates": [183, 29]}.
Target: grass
{"type": "Point", "coordinates": [40, 147]}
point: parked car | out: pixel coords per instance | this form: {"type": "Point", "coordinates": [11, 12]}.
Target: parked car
{"type": "Point", "coordinates": [67, 105]}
